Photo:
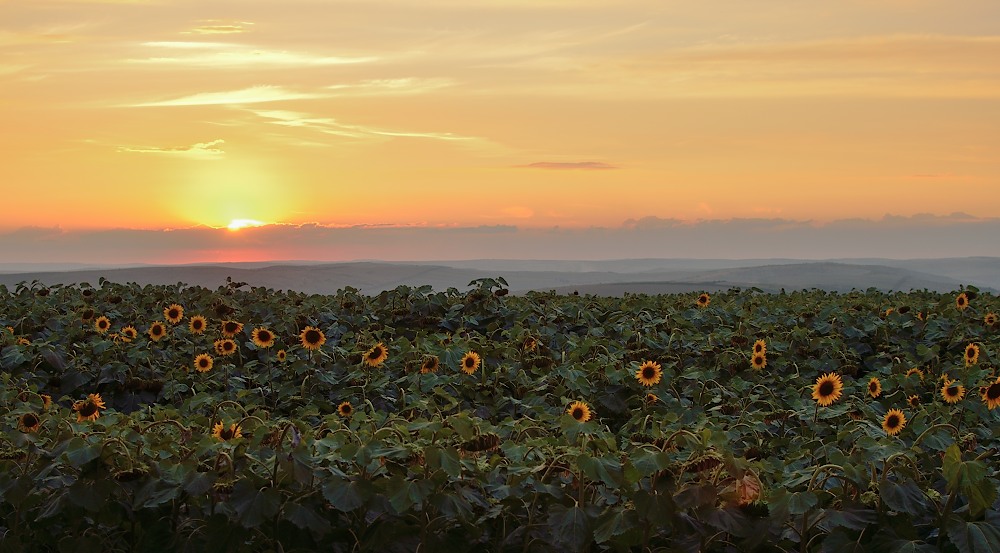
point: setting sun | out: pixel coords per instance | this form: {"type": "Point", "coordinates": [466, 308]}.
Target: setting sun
{"type": "Point", "coordinates": [237, 224]}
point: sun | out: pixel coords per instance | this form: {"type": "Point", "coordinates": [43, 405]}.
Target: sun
{"type": "Point", "coordinates": [237, 224]}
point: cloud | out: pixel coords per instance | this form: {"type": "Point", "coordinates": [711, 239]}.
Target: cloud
{"type": "Point", "coordinates": [383, 87]}
{"type": "Point", "coordinates": [252, 95]}
{"type": "Point", "coordinates": [220, 27]}
{"type": "Point", "coordinates": [586, 165]}
{"type": "Point", "coordinates": [202, 150]}
{"type": "Point", "coordinates": [229, 54]}
{"type": "Point", "coordinates": [327, 125]}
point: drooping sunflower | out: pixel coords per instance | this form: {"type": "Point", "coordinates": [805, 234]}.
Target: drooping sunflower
{"type": "Point", "coordinates": [913, 400]}
{"type": "Point", "coordinates": [952, 391]}
{"type": "Point", "coordinates": [579, 411]}
{"type": "Point", "coordinates": [376, 355]}
{"type": "Point", "coordinates": [46, 401]}
{"type": "Point", "coordinates": [225, 434]}
{"type": "Point", "coordinates": [651, 399]}
{"type": "Point", "coordinates": [760, 346]}
{"type": "Point", "coordinates": [430, 364]}
{"type": "Point", "coordinates": [22, 341]}
{"type": "Point", "coordinates": [914, 372]}
{"type": "Point", "coordinates": [89, 409]}
{"type": "Point", "coordinates": [827, 389]}
{"type": "Point", "coordinates": [281, 356]}
{"type": "Point", "coordinates": [971, 355]}
{"type": "Point", "coordinates": [649, 373]}
{"type": "Point", "coordinates": [203, 363]}
{"type": "Point", "coordinates": [991, 394]}
{"type": "Point", "coordinates": [758, 361]}
{"type": "Point", "coordinates": [530, 344]}
{"type": "Point", "coordinates": [345, 409]}
{"type": "Point", "coordinates": [129, 333]}
{"type": "Point", "coordinates": [29, 422]}
{"type": "Point", "coordinates": [173, 313]}
{"type": "Point", "coordinates": [990, 319]}
{"type": "Point", "coordinates": [231, 328]}
{"type": "Point", "coordinates": [102, 324]}
{"type": "Point", "coordinates": [262, 337]}
{"type": "Point", "coordinates": [893, 422]}
{"type": "Point", "coordinates": [470, 362]}
{"type": "Point", "coordinates": [156, 331]}
{"type": "Point", "coordinates": [225, 346]}
{"type": "Point", "coordinates": [86, 316]}
{"type": "Point", "coordinates": [962, 301]}
{"type": "Point", "coordinates": [703, 300]}
{"type": "Point", "coordinates": [197, 324]}
{"type": "Point", "coordinates": [312, 338]}
{"type": "Point", "coordinates": [874, 387]}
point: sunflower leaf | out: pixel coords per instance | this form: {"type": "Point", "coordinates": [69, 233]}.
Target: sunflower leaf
{"type": "Point", "coordinates": [254, 505]}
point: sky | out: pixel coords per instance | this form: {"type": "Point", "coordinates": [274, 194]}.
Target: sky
{"type": "Point", "coordinates": [403, 129]}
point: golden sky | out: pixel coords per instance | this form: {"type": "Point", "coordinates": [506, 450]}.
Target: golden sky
{"type": "Point", "coordinates": [457, 113]}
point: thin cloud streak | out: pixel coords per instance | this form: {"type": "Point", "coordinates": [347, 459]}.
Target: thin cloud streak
{"type": "Point", "coordinates": [252, 95]}
{"type": "Point", "coordinates": [562, 165]}
{"type": "Point", "coordinates": [201, 150]}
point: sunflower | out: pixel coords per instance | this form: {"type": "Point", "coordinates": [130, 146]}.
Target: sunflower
{"type": "Point", "coordinates": [914, 401]}
{"type": "Point", "coordinates": [579, 411]}
{"type": "Point", "coordinates": [312, 338]}
{"type": "Point", "coordinates": [651, 399]}
{"type": "Point", "coordinates": [649, 373]}
{"type": "Point", "coordinates": [22, 341]}
{"type": "Point", "coordinates": [430, 364]}
{"type": "Point", "coordinates": [874, 387]}
{"type": "Point", "coordinates": [281, 356]}
{"type": "Point", "coordinates": [197, 324]}
{"type": "Point", "coordinates": [345, 409]}
{"type": "Point", "coordinates": [262, 337]}
{"type": "Point", "coordinates": [893, 422]}
{"type": "Point", "coordinates": [470, 362]}
{"type": "Point", "coordinates": [991, 394]}
{"type": "Point", "coordinates": [225, 346]}
{"type": "Point", "coordinates": [971, 354]}
{"type": "Point", "coordinates": [827, 389]}
{"type": "Point", "coordinates": [758, 361]}
{"type": "Point", "coordinates": [914, 371]}
{"type": "Point", "coordinates": [203, 363]}
{"type": "Point", "coordinates": [102, 324]}
{"type": "Point", "coordinates": [29, 422]}
{"type": "Point", "coordinates": [156, 331]}
{"type": "Point", "coordinates": [760, 346]}
{"type": "Point", "coordinates": [920, 315]}
{"type": "Point", "coordinates": [85, 317]}
{"type": "Point", "coordinates": [703, 300]}
{"type": "Point", "coordinates": [46, 401]}
{"type": "Point", "coordinates": [962, 301]}
{"type": "Point", "coordinates": [376, 355]}
{"type": "Point", "coordinates": [530, 344]}
{"type": "Point", "coordinates": [129, 333]}
{"type": "Point", "coordinates": [952, 391]}
{"type": "Point", "coordinates": [89, 409]}
{"type": "Point", "coordinates": [173, 314]}
{"type": "Point", "coordinates": [231, 328]}
{"type": "Point", "coordinates": [225, 434]}
{"type": "Point", "coordinates": [990, 319]}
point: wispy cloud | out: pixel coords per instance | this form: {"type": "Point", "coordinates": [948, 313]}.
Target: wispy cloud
{"type": "Point", "coordinates": [381, 87]}
{"type": "Point", "coordinates": [327, 125]}
{"type": "Point", "coordinates": [252, 95]}
{"type": "Point", "coordinates": [229, 54]}
{"type": "Point", "coordinates": [220, 27]}
{"type": "Point", "coordinates": [585, 165]}
{"type": "Point", "coordinates": [201, 150]}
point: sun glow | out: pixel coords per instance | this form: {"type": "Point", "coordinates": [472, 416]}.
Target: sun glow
{"type": "Point", "coordinates": [237, 224]}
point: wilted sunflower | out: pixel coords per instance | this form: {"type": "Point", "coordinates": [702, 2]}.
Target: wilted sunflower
{"type": "Point", "coordinates": [203, 363]}
{"type": "Point", "coordinates": [649, 373]}
{"type": "Point", "coordinates": [156, 331]}
{"type": "Point", "coordinates": [971, 355]}
{"type": "Point", "coordinates": [173, 313]}
{"type": "Point", "coordinates": [893, 422]}
{"type": "Point", "coordinates": [962, 301]}
{"type": "Point", "coordinates": [312, 338]}
{"type": "Point", "coordinates": [914, 401]}
{"type": "Point", "coordinates": [579, 411]}
{"type": "Point", "coordinates": [827, 389]}
{"type": "Point", "coordinates": [102, 324]}
{"type": "Point", "coordinates": [470, 362]}
{"type": "Point", "coordinates": [29, 422]}
{"type": "Point", "coordinates": [758, 361]}
{"type": "Point", "coordinates": [703, 300]}
{"type": "Point", "coordinates": [952, 391]}
{"type": "Point", "coordinates": [430, 364]}
{"type": "Point", "coordinates": [85, 316]}
{"type": "Point", "coordinates": [197, 324]}
{"type": "Point", "coordinates": [129, 333]}
{"type": "Point", "coordinates": [376, 355]}
{"type": "Point", "coordinates": [760, 346]}
{"type": "Point", "coordinates": [281, 356]}
{"type": "Point", "coordinates": [651, 399]}
{"type": "Point", "coordinates": [530, 344]}
{"type": "Point", "coordinates": [22, 341]}
{"type": "Point", "coordinates": [89, 409]}
{"type": "Point", "coordinates": [914, 371]}
{"type": "Point", "coordinates": [345, 409]}
{"type": "Point", "coordinates": [874, 387]}
{"type": "Point", "coordinates": [46, 401]}
{"type": "Point", "coordinates": [225, 434]}
{"type": "Point", "coordinates": [991, 394]}
{"type": "Point", "coordinates": [262, 337]}
{"type": "Point", "coordinates": [231, 328]}
{"type": "Point", "coordinates": [225, 346]}
{"type": "Point", "coordinates": [990, 319]}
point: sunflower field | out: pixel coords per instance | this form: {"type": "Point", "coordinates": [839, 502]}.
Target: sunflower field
{"type": "Point", "coordinates": [177, 418]}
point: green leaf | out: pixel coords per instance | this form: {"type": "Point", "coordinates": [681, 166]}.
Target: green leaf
{"type": "Point", "coordinates": [800, 502]}
{"type": "Point", "coordinates": [968, 477]}
{"type": "Point", "coordinates": [79, 452]}
{"type": "Point", "coordinates": [905, 497]}
{"type": "Point", "coordinates": [615, 522]}
{"type": "Point", "coordinates": [344, 495]}
{"type": "Point", "coordinates": [254, 506]}
{"type": "Point", "coordinates": [304, 518]}
{"type": "Point", "coordinates": [973, 537]}
{"type": "Point", "coordinates": [148, 496]}
{"type": "Point", "coordinates": [601, 469]}
{"type": "Point", "coordinates": [570, 527]}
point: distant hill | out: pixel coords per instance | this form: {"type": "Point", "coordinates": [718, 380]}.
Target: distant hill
{"type": "Point", "coordinates": [586, 277]}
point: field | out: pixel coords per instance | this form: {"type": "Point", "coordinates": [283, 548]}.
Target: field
{"type": "Point", "coordinates": [180, 418]}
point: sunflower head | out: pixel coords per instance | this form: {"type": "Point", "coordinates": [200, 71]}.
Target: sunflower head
{"type": "Point", "coordinates": [703, 300]}
{"type": "Point", "coordinates": [102, 324]}
{"type": "Point", "coordinates": [827, 389]}
{"type": "Point", "coordinates": [893, 422]}
{"type": "Point", "coordinates": [580, 411]}
{"type": "Point", "coordinates": [312, 338]}
{"type": "Point", "coordinates": [962, 301]}
{"type": "Point", "coordinates": [649, 373]}
{"type": "Point", "coordinates": [874, 387]}
{"type": "Point", "coordinates": [651, 399]}
{"type": "Point", "coordinates": [971, 355]}
{"type": "Point", "coordinates": [913, 401]}
{"type": "Point", "coordinates": [760, 346]}
{"type": "Point", "coordinates": [991, 394]}
{"type": "Point", "coordinates": [470, 362]}
{"type": "Point", "coordinates": [46, 401]}
{"type": "Point", "coordinates": [29, 422]}
{"type": "Point", "coordinates": [203, 363]}
{"type": "Point", "coordinates": [281, 356]}
{"type": "Point", "coordinates": [86, 316]}
{"type": "Point", "coordinates": [226, 346]}
{"type": "Point", "coordinates": [173, 313]}
{"type": "Point", "coordinates": [345, 409]}
{"type": "Point", "coordinates": [226, 434]}
{"type": "Point", "coordinates": [231, 328]}
{"type": "Point", "coordinates": [129, 333]}
{"type": "Point", "coordinates": [89, 409]}
{"type": "Point", "coordinates": [952, 391]}
{"type": "Point", "coordinates": [530, 344]}
{"type": "Point", "coordinates": [430, 364]}
{"type": "Point", "coordinates": [197, 324]}
{"type": "Point", "coordinates": [376, 355]}
{"type": "Point", "coordinates": [262, 337]}
{"type": "Point", "coordinates": [157, 331]}
{"type": "Point", "coordinates": [914, 372]}
{"type": "Point", "coordinates": [990, 319]}
{"type": "Point", "coordinates": [758, 361]}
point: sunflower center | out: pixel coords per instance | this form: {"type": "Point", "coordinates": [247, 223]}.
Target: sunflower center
{"type": "Point", "coordinates": [375, 353]}
{"type": "Point", "coordinates": [826, 388]}
{"type": "Point", "coordinates": [951, 391]}
{"type": "Point", "coordinates": [264, 336]}
{"type": "Point", "coordinates": [892, 421]}
{"type": "Point", "coordinates": [312, 336]}
{"type": "Point", "coordinates": [29, 420]}
{"type": "Point", "coordinates": [970, 353]}
{"type": "Point", "coordinates": [88, 409]}
{"type": "Point", "coordinates": [872, 386]}
{"type": "Point", "coordinates": [227, 346]}
{"type": "Point", "coordinates": [226, 434]}
{"type": "Point", "coordinates": [346, 409]}
{"type": "Point", "coordinates": [173, 314]}
{"type": "Point", "coordinates": [231, 327]}
{"type": "Point", "coordinates": [648, 373]}
{"type": "Point", "coordinates": [470, 362]}
{"type": "Point", "coordinates": [203, 363]}
{"type": "Point", "coordinates": [197, 324]}
{"type": "Point", "coordinates": [578, 413]}
{"type": "Point", "coordinates": [993, 392]}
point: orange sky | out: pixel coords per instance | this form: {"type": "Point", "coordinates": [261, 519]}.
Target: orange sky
{"type": "Point", "coordinates": [533, 113]}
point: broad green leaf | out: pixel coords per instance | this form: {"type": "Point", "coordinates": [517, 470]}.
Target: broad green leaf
{"type": "Point", "coordinates": [973, 537]}
{"type": "Point", "coordinates": [254, 506]}
{"type": "Point", "coordinates": [344, 495]}
{"type": "Point", "coordinates": [601, 469]}
{"type": "Point", "coordinates": [305, 517]}
{"type": "Point", "coordinates": [570, 527]}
